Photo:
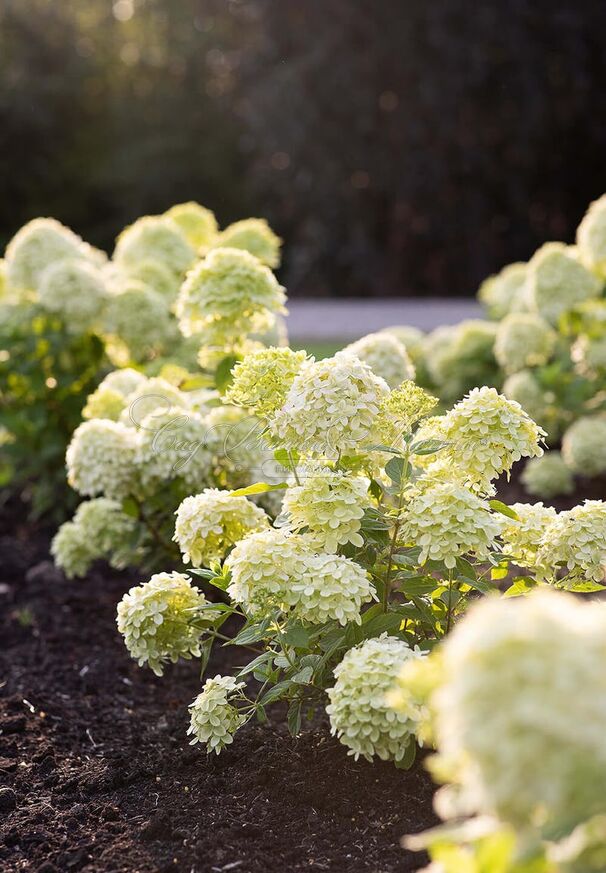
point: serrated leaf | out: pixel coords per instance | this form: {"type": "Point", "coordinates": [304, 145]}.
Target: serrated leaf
{"type": "Point", "coordinates": [498, 506]}
{"type": "Point", "coordinates": [395, 469]}
{"type": "Point", "coordinates": [293, 718]}
{"type": "Point", "coordinates": [303, 676]}
{"type": "Point", "coordinates": [521, 585]}
{"type": "Point", "coordinates": [258, 488]}
{"type": "Point", "coordinates": [428, 447]}
{"type": "Point", "coordinates": [255, 663]}
{"type": "Point", "coordinates": [276, 693]}
{"type": "Point", "coordinates": [252, 633]}
{"type": "Point", "coordinates": [298, 636]}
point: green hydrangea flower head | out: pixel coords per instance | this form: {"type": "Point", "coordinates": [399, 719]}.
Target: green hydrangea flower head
{"type": "Point", "coordinates": [262, 380]}
{"type": "Point", "coordinates": [523, 339]}
{"type": "Point", "coordinates": [488, 433]}
{"type": "Point", "coordinates": [331, 407]}
{"type": "Point", "coordinates": [522, 538]}
{"type": "Point", "coordinates": [504, 292]}
{"type": "Point", "coordinates": [157, 276]}
{"type": "Point", "coordinates": [329, 505]}
{"type": "Point", "coordinates": [557, 281]}
{"type": "Point", "coordinates": [140, 317]}
{"type": "Point", "coordinates": [104, 403]}
{"type": "Point", "coordinates": [101, 459]}
{"type": "Point", "coordinates": [528, 671]}
{"type": "Point", "coordinates": [591, 237]}
{"type": "Point", "coordinates": [228, 294]}
{"type": "Point", "coordinates": [402, 408]}
{"type": "Point", "coordinates": [449, 521]}
{"type": "Point", "coordinates": [458, 357]}
{"type": "Point", "coordinates": [358, 710]}
{"type": "Point", "coordinates": [74, 290]}
{"type": "Point", "coordinates": [197, 223]}
{"type": "Point", "coordinates": [36, 246]}
{"type": "Point", "coordinates": [576, 541]}
{"type": "Point", "coordinates": [155, 620]}
{"type": "Point", "coordinates": [214, 720]}
{"type": "Point", "coordinates": [524, 388]}
{"type": "Point", "coordinates": [71, 550]}
{"type": "Point", "coordinates": [584, 446]}
{"type": "Point", "coordinates": [254, 235]}
{"type": "Point", "coordinates": [155, 238]}
{"type": "Point", "coordinates": [386, 357]}
{"type": "Point", "coordinates": [548, 476]}
{"type": "Point", "coordinates": [331, 588]}
{"type": "Point", "coordinates": [210, 523]}
{"type": "Point", "coordinates": [105, 524]}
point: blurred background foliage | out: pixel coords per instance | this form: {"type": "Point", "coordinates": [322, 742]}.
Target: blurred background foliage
{"type": "Point", "coordinates": [400, 147]}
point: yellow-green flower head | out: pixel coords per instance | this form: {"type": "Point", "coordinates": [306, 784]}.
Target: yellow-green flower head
{"type": "Point", "coordinates": [523, 339]}
{"type": "Point", "coordinates": [591, 237]}
{"type": "Point", "coordinates": [524, 388]}
{"type": "Point", "coordinates": [520, 712]}
{"type": "Point", "coordinates": [505, 291]}
{"type": "Point", "coordinates": [330, 505]}
{"type": "Point", "coordinates": [576, 541]}
{"type": "Point", "coordinates": [75, 290]}
{"type": "Point", "coordinates": [125, 381]}
{"type": "Point", "coordinates": [331, 407]}
{"type": "Point", "coordinates": [488, 433]}
{"type": "Point", "coordinates": [175, 443]}
{"type": "Point", "coordinates": [157, 276]}
{"type": "Point", "coordinates": [104, 403]}
{"type": "Point", "coordinates": [140, 317]}
{"type": "Point", "coordinates": [331, 588]}
{"type": "Point", "coordinates": [210, 523]}
{"type": "Point", "coordinates": [107, 528]}
{"type": "Point", "coordinates": [36, 246]}
{"type": "Point", "coordinates": [557, 281]}
{"type": "Point", "coordinates": [101, 459]}
{"type": "Point", "coordinates": [358, 710]}
{"type": "Point", "coordinates": [523, 537]}
{"type": "Point", "coordinates": [228, 294]}
{"type": "Point", "coordinates": [386, 357]}
{"type": "Point", "coordinates": [197, 223]}
{"type": "Point", "coordinates": [214, 720]}
{"type": "Point", "coordinates": [155, 620]}
{"type": "Point", "coordinates": [254, 235]}
{"type": "Point", "coordinates": [156, 238]}
{"type": "Point", "coordinates": [262, 380]}
{"type": "Point", "coordinates": [401, 409]}
{"type": "Point", "coordinates": [548, 476]}
{"type": "Point", "coordinates": [263, 568]}
{"type": "Point", "coordinates": [155, 395]}
{"type": "Point", "coordinates": [71, 550]}
{"type": "Point", "coordinates": [584, 446]}
{"type": "Point", "coordinates": [449, 521]}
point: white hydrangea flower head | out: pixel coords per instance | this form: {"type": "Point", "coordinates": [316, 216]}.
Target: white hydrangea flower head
{"type": "Point", "coordinates": [332, 588]}
{"type": "Point", "coordinates": [263, 567]}
{"type": "Point", "coordinates": [104, 403]}
{"type": "Point", "coordinates": [523, 339]}
{"type": "Point", "coordinates": [105, 525]}
{"type": "Point", "coordinates": [557, 281]}
{"type": "Point", "coordinates": [411, 338]}
{"type": "Point", "coordinates": [227, 295]}
{"type": "Point", "coordinates": [197, 223]}
{"type": "Point", "coordinates": [155, 395]}
{"type": "Point", "coordinates": [140, 317]}
{"type": "Point", "coordinates": [505, 291]}
{"type": "Point", "coordinates": [449, 521]}
{"type": "Point", "coordinates": [524, 388]}
{"type": "Point", "coordinates": [261, 381]}
{"type": "Point", "coordinates": [331, 407]}
{"type": "Point", "coordinates": [548, 476]}
{"type": "Point", "coordinates": [155, 275]}
{"type": "Point", "coordinates": [72, 550]}
{"type": "Point", "coordinates": [101, 459]}
{"type": "Point", "coordinates": [156, 238]}
{"type": "Point", "coordinates": [36, 246]}
{"type": "Point", "coordinates": [214, 720]}
{"type": "Point", "coordinates": [210, 523]}
{"type": "Point", "coordinates": [576, 541]}
{"type": "Point", "coordinates": [175, 443]}
{"type": "Point", "coordinates": [358, 710]}
{"type": "Point", "coordinates": [584, 446]}
{"type": "Point", "coordinates": [155, 620]}
{"type": "Point", "coordinates": [254, 235]}
{"type": "Point", "coordinates": [520, 711]}
{"type": "Point", "coordinates": [591, 237]}
{"type": "Point", "coordinates": [124, 381]}
{"type": "Point", "coordinates": [522, 539]}
{"type": "Point", "coordinates": [488, 433]}
{"type": "Point", "coordinates": [386, 357]}
{"type": "Point", "coordinates": [74, 290]}
{"type": "Point", "coordinates": [330, 505]}
{"type": "Point", "coordinates": [460, 356]}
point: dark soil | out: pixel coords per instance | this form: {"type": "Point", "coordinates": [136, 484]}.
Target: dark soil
{"type": "Point", "coordinates": [97, 774]}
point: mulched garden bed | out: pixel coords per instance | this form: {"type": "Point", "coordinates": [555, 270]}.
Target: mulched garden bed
{"type": "Point", "coordinates": [97, 774]}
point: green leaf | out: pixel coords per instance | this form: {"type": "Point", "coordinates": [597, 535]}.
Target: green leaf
{"type": "Point", "coordinates": [395, 469]}
{"type": "Point", "coordinates": [205, 650]}
{"type": "Point", "coordinates": [521, 585]}
{"type": "Point", "coordinates": [223, 375]}
{"type": "Point", "coordinates": [408, 760]}
{"type": "Point", "coordinates": [279, 691]}
{"type": "Point", "coordinates": [298, 636]}
{"type": "Point", "coordinates": [303, 677]}
{"type": "Point", "coordinates": [498, 506]}
{"type": "Point", "coordinates": [382, 448]}
{"type": "Point", "coordinates": [255, 663]}
{"type": "Point", "coordinates": [251, 633]}
{"type": "Point", "coordinates": [428, 447]}
{"type": "Point", "coordinates": [220, 582]}
{"type": "Point", "coordinates": [129, 507]}
{"type": "Point", "coordinates": [418, 585]}
{"type": "Point", "coordinates": [584, 586]}
{"type": "Point", "coordinates": [258, 488]}
{"type": "Point", "coordinates": [293, 718]}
